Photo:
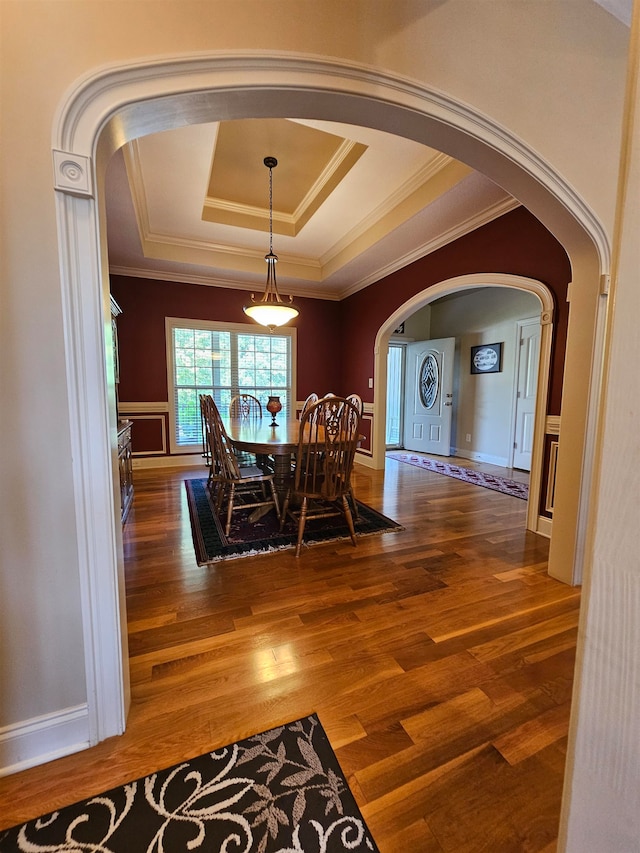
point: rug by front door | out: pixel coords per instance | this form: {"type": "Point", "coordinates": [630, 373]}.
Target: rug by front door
{"type": "Point", "coordinates": [247, 538]}
{"type": "Point", "coordinates": [281, 791]}
{"type": "Point", "coordinates": [468, 475]}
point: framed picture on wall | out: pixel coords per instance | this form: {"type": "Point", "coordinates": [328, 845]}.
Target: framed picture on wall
{"type": "Point", "coordinates": [486, 358]}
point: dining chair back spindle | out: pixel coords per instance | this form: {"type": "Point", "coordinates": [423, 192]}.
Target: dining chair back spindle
{"type": "Point", "coordinates": [329, 434]}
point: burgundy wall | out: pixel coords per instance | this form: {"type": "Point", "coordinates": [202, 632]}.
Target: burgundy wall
{"type": "Point", "coordinates": [516, 243]}
{"type": "Point", "coordinates": [141, 333]}
{"type": "Point", "coordinates": [336, 339]}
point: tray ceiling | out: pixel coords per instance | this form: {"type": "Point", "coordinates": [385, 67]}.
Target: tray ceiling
{"type": "Point", "coordinates": [350, 204]}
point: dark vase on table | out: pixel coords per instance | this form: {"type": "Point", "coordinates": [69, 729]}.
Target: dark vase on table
{"type": "Point", "coordinates": [274, 406]}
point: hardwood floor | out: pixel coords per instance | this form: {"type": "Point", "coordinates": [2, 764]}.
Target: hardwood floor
{"type": "Point", "coordinates": [439, 660]}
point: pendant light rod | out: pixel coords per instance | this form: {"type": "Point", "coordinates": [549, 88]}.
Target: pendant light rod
{"type": "Point", "coordinates": [271, 311]}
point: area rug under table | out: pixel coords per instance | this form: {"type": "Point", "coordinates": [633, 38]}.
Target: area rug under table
{"type": "Point", "coordinates": [281, 791]}
{"type": "Point", "coordinates": [247, 537]}
{"type": "Point", "coordinates": [468, 475]}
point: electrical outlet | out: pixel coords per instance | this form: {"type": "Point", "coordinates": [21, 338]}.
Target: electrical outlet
{"type": "Point", "coordinates": [371, 383]}
{"type": "Point", "coordinates": [468, 437]}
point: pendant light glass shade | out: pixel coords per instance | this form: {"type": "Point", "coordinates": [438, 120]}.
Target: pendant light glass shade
{"type": "Point", "coordinates": [271, 310]}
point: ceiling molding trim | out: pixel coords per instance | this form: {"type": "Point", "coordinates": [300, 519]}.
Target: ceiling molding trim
{"type": "Point", "coordinates": [240, 215]}
{"type": "Point", "coordinates": [420, 200]}
{"type": "Point", "coordinates": [469, 225]}
{"type": "Point", "coordinates": [334, 172]}
{"type": "Point", "coordinates": [401, 194]}
{"type": "Point", "coordinates": [161, 247]}
{"type": "Point", "coordinates": [215, 281]}
{"type": "Point", "coordinates": [483, 218]}
{"type": "Point", "coordinates": [133, 167]}
{"type": "Point", "coordinates": [258, 215]}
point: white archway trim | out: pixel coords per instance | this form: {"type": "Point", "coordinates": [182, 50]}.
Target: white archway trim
{"type": "Point", "coordinates": [113, 105]}
{"type": "Point", "coordinates": [456, 285]}
{"type": "Point", "coordinates": [203, 77]}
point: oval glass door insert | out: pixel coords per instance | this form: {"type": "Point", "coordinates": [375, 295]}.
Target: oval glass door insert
{"type": "Point", "coordinates": [429, 381]}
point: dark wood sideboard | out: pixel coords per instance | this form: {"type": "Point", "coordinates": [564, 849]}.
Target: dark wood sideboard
{"type": "Point", "coordinates": [125, 467]}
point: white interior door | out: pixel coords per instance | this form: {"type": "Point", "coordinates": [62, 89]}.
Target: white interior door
{"type": "Point", "coordinates": [528, 359]}
{"type": "Point", "coordinates": [429, 396]}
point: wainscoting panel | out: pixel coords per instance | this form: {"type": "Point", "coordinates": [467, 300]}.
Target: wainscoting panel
{"type": "Point", "coordinates": [150, 427]}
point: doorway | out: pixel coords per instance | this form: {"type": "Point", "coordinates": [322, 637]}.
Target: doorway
{"type": "Point", "coordinates": [428, 402]}
{"type": "Point", "coordinates": [468, 283]}
{"type": "Point", "coordinates": [157, 95]}
{"type": "Point", "coordinates": [527, 358]}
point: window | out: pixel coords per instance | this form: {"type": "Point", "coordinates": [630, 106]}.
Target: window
{"type": "Point", "coordinates": [395, 394]}
{"type": "Point", "coordinates": [222, 359]}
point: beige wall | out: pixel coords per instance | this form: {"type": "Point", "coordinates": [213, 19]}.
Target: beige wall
{"type": "Point", "coordinates": [551, 73]}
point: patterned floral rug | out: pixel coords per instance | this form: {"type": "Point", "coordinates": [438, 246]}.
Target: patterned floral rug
{"type": "Point", "coordinates": [247, 538]}
{"type": "Point", "coordinates": [469, 475]}
{"type": "Point", "coordinates": [281, 791]}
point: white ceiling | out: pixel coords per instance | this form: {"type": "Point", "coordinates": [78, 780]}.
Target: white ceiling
{"type": "Point", "coordinates": [399, 201]}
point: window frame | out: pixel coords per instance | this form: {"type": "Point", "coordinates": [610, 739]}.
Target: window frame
{"type": "Point", "coordinates": [400, 396]}
{"type": "Point", "coordinates": [172, 323]}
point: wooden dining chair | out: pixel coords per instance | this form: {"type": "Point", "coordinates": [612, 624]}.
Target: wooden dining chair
{"type": "Point", "coordinates": [356, 399]}
{"type": "Point", "coordinates": [329, 431]}
{"type": "Point", "coordinates": [247, 407]}
{"type": "Point", "coordinates": [209, 413]}
{"type": "Point", "coordinates": [311, 399]}
{"type": "Point", "coordinates": [206, 452]}
{"type": "Point", "coordinates": [241, 487]}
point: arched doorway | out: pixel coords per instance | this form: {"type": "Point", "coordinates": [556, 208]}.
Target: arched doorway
{"type": "Point", "coordinates": [444, 288]}
{"type": "Point", "coordinates": [117, 105]}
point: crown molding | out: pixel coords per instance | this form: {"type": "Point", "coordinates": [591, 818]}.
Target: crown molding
{"type": "Point", "coordinates": [393, 201]}
{"type": "Point", "coordinates": [311, 292]}
{"type": "Point", "coordinates": [467, 226]}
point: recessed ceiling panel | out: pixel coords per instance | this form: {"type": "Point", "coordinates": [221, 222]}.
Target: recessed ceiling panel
{"type": "Point", "coordinates": [311, 163]}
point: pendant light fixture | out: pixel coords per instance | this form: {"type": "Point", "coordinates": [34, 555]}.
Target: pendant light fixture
{"type": "Point", "coordinates": [271, 310]}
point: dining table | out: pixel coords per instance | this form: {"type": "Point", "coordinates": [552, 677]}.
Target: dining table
{"type": "Point", "coordinates": [258, 436]}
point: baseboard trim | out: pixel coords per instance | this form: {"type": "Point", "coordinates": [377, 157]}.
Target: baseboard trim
{"type": "Point", "coordinates": [187, 461]}
{"type": "Point", "coordinates": [41, 739]}
{"type": "Point", "coordinates": [501, 461]}
{"type": "Point", "coordinates": [544, 526]}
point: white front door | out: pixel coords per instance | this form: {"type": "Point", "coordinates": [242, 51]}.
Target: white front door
{"type": "Point", "coordinates": [528, 358]}
{"type": "Point", "coordinates": [429, 396]}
